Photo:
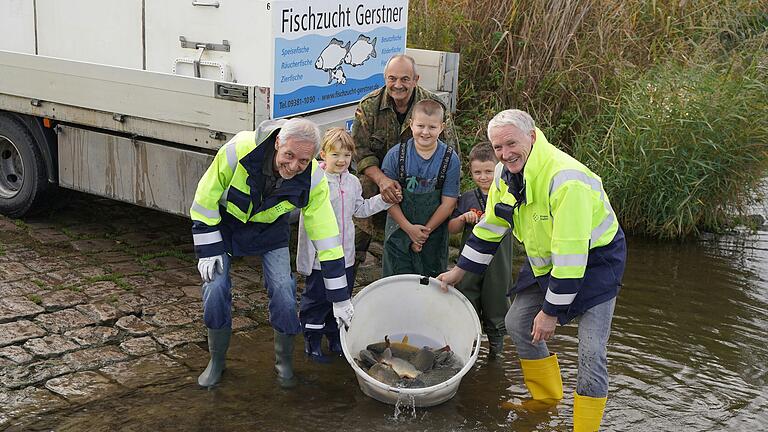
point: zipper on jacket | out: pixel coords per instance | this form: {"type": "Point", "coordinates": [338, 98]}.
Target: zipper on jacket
{"type": "Point", "coordinates": [343, 224]}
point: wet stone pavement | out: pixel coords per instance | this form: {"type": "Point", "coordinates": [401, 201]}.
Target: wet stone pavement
{"type": "Point", "coordinates": [99, 298]}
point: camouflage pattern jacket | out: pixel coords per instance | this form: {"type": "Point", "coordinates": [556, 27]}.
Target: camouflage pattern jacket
{"type": "Point", "coordinates": [376, 129]}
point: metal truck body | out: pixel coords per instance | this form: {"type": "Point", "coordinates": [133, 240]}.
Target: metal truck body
{"type": "Point", "coordinates": [130, 99]}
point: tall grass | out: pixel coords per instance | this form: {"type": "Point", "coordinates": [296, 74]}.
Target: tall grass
{"type": "Point", "coordinates": [558, 58]}
{"type": "Point", "coordinates": [572, 63]}
{"type": "Point", "coordinates": [682, 148]}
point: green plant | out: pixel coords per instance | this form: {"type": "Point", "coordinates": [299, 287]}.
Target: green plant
{"type": "Point", "coordinates": [559, 61]}
{"type": "Point", "coordinates": [36, 299]}
{"type": "Point", "coordinates": [87, 236]}
{"type": "Point", "coordinates": [684, 147]}
{"type": "Point", "coordinates": [71, 234]}
{"type": "Point", "coordinates": [584, 71]}
{"type": "Point", "coordinates": [116, 278]}
{"type": "Point", "coordinates": [124, 285]}
{"type": "Point", "coordinates": [167, 253]}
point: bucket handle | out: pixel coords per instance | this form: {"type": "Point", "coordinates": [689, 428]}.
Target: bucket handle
{"type": "Point", "coordinates": [476, 349]}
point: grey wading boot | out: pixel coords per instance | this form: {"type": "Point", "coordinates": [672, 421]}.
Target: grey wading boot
{"type": "Point", "coordinates": [495, 347]}
{"type": "Point", "coordinates": [218, 343]}
{"type": "Point", "coordinates": [284, 359]}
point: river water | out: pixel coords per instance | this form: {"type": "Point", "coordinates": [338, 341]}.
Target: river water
{"type": "Point", "coordinates": [687, 352]}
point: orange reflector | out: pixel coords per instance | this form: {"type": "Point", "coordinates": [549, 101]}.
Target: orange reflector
{"type": "Point", "coordinates": [47, 122]}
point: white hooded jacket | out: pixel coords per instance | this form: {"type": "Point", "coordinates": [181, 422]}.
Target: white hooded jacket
{"type": "Point", "coordinates": [346, 195]}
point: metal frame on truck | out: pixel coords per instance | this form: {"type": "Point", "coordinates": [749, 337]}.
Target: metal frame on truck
{"type": "Point", "coordinates": [134, 135]}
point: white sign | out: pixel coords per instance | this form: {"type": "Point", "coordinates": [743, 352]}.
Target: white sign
{"type": "Point", "coordinates": [330, 53]}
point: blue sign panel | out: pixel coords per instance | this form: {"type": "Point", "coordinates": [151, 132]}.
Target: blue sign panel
{"type": "Point", "coordinates": [330, 53]}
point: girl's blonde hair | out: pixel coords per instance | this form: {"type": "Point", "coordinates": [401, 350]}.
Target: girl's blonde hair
{"type": "Point", "coordinates": [338, 137]}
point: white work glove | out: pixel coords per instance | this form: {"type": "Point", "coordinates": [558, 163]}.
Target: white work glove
{"type": "Point", "coordinates": [343, 312]}
{"type": "Point", "coordinates": [209, 266]}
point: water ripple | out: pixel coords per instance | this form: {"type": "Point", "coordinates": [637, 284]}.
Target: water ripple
{"type": "Point", "coordinates": [687, 352]}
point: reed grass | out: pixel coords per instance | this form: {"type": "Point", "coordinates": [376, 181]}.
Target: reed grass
{"type": "Point", "coordinates": [575, 63]}
{"type": "Point", "coordinates": [684, 147]}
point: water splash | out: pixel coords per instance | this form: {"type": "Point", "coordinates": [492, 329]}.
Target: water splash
{"type": "Point", "coordinates": [405, 407]}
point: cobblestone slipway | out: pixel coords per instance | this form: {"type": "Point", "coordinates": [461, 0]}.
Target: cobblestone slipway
{"type": "Point", "coordinates": [98, 298]}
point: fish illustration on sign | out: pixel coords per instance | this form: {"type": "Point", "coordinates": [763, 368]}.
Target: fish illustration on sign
{"type": "Point", "coordinates": [332, 55]}
{"type": "Point", "coordinates": [362, 50]}
{"type": "Point", "coordinates": [338, 76]}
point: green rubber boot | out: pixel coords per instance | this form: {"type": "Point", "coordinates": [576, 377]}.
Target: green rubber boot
{"type": "Point", "coordinates": [218, 343]}
{"type": "Point", "coordinates": [284, 359]}
{"type": "Point", "coordinates": [495, 347]}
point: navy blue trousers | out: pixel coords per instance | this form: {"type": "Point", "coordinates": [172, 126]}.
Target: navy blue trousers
{"type": "Point", "coordinates": [316, 313]}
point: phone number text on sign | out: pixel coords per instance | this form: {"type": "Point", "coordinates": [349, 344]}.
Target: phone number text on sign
{"type": "Point", "coordinates": [290, 103]}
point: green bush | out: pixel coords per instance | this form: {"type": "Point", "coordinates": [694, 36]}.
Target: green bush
{"type": "Point", "coordinates": [679, 145]}
{"type": "Point", "coordinates": [682, 148]}
{"type": "Point", "coordinates": [558, 60]}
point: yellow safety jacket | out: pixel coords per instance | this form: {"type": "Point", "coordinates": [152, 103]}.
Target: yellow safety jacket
{"type": "Point", "coordinates": [231, 215]}
{"type": "Point", "coordinates": [558, 209]}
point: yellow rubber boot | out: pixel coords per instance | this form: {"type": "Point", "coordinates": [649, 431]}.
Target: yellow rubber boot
{"type": "Point", "coordinates": [587, 413]}
{"type": "Point", "coordinates": [542, 377]}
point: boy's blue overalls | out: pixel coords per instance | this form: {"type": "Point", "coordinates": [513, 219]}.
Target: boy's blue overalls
{"type": "Point", "coordinates": [417, 208]}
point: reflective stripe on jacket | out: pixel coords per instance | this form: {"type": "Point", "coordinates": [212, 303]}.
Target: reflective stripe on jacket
{"type": "Point", "coordinates": [564, 219]}
{"type": "Point", "coordinates": [230, 214]}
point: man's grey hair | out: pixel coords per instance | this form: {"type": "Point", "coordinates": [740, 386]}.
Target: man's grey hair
{"type": "Point", "coordinates": [402, 56]}
{"type": "Point", "coordinates": [515, 117]}
{"type": "Point", "coordinates": [301, 129]}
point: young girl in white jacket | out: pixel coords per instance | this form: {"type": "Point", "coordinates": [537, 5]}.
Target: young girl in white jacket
{"type": "Point", "coordinates": [347, 200]}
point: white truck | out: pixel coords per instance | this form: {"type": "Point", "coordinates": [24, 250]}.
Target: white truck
{"type": "Point", "coordinates": [130, 99]}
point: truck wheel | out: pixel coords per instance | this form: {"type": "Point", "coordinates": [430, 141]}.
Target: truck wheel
{"type": "Point", "coordinates": [22, 171]}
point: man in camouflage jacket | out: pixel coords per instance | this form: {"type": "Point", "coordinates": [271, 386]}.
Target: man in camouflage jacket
{"type": "Point", "coordinates": [382, 119]}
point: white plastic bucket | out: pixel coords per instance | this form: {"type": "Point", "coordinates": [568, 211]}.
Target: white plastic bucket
{"type": "Point", "coordinates": [412, 305]}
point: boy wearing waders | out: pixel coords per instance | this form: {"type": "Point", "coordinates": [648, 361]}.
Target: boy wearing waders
{"type": "Point", "coordinates": [488, 291]}
{"type": "Point", "coordinates": [416, 232]}
{"type": "Point", "coordinates": [347, 201]}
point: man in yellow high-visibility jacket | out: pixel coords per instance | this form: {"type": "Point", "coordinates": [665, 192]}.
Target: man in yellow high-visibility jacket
{"type": "Point", "coordinates": [241, 208]}
{"type": "Point", "coordinates": [576, 255]}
